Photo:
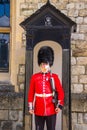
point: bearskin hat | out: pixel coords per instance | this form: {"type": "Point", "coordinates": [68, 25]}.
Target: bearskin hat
{"type": "Point", "coordinates": [46, 55]}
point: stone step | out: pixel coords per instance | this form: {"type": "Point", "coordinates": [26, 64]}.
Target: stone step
{"type": "Point", "coordinates": [6, 87]}
{"type": "Point", "coordinates": [11, 95]}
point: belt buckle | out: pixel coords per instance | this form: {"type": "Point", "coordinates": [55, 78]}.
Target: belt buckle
{"type": "Point", "coordinates": [44, 95]}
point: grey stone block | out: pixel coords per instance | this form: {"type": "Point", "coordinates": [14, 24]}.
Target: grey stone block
{"type": "Point", "coordinates": [16, 100]}
{"type": "Point", "coordinates": [6, 125]}
{"type": "Point", "coordinates": [3, 114]}
{"type": "Point", "coordinates": [19, 127]}
{"type": "Point", "coordinates": [80, 127]}
{"type": "Point", "coordinates": [85, 118]}
{"type": "Point", "coordinates": [13, 115]}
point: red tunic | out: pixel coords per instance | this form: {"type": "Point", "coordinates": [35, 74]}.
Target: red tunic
{"type": "Point", "coordinates": [39, 84]}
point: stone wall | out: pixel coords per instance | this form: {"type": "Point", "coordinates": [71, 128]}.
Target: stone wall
{"type": "Point", "coordinates": [79, 68]}
{"type": "Point", "coordinates": [11, 108]}
{"type": "Point", "coordinates": [11, 102]}
{"type": "Point", "coordinates": [21, 77]}
{"type": "Point", "coordinates": [77, 11]}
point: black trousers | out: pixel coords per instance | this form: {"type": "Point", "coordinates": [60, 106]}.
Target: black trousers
{"type": "Point", "coordinates": [50, 122]}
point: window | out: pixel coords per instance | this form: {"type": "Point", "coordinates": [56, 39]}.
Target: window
{"type": "Point", "coordinates": [4, 34]}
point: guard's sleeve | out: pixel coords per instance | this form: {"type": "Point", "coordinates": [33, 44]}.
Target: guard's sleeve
{"type": "Point", "coordinates": [60, 92]}
{"type": "Point", "coordinates": [31, 93]}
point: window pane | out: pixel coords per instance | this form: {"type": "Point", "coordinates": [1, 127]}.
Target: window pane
{"type": "Point", "coordinates": [4, 0]}
{"type": "Point", "coordinates": [4, 51]}
{"type": "Point", "coordinates": [4, 13]}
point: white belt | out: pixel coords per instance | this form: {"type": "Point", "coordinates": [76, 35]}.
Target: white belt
{"type": "Point", "coordinates": [43, 95]}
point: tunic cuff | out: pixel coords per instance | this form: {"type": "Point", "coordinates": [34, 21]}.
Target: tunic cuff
{"type": "Point", "coordinates": [30, 106]}
{"type": "Point", "coordinates": [60, 106]}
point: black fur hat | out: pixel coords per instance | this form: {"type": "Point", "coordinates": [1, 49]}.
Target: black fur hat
{"type": "Point", "coordinates": [46, 55]}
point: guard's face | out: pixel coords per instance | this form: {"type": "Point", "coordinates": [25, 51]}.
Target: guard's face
{"type": "Point", "coordinates": [44, 67]}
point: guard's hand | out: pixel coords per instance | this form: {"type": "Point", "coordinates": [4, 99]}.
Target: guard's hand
{"type": "Point", "coordinates": [57, 110]}
{"type": "Point", "coordinates": [31, 111]}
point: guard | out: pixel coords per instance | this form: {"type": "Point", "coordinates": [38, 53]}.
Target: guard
{"type": "Point", "coordinates": [42, 93]}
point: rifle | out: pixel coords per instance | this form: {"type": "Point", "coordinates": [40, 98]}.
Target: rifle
{"type": "Point", "coordinates": [55, 94]}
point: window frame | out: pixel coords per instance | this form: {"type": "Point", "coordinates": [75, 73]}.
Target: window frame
{"type": "Point", "coordinates": [6, 30]}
